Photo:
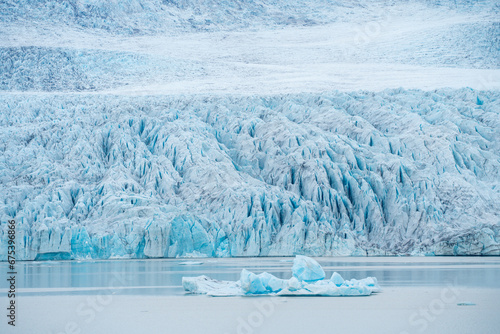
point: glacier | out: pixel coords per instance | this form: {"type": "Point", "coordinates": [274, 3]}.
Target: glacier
{"type": "Point", "coordinates": [151, 129]}
{"type": "Point", "coordinates": [265, 283]}
{"type": "Point", "coordinates": [395, 172]}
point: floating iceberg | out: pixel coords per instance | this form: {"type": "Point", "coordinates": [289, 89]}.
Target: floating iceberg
{"type": "Point", "coordinates": [305, 282]}
{"type": "Point", "coordinates": [307, 269]}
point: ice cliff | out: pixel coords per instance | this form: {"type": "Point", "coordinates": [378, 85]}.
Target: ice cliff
{"type": "Point", "coordinates": [160, 128]}
{"type": "Point", "coordinates": [395, 172]}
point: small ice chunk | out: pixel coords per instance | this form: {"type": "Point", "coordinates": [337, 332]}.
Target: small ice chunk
{"type": "Point", "coordinates": [190, 284]}
{"type": "Point", "coordinates": [370, 281]}
{"type": "Point", "coordinates": [293, 284]}
{"type": "Point", "coordinates": [271, 282]}
{"type": "Point", "coordinates": [206, 285]}
{"type": "Point", "coordinates": [191, 263]}
{"type": "Point", "coordinates": [306, 269]}
{"type": "Point", "coordinates": [337, 279]}
{"type": "Point", "coordinates": [251, 283]}
{"type": "Point", "coordinates": [262, 283]}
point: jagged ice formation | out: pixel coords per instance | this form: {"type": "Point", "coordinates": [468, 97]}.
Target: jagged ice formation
{"type": "Point", "coordinates": [396, 172]}
{"type": "Point", "coordinates": [155, 128]}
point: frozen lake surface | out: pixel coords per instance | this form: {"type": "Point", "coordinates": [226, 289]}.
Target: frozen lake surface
{"type": "Point", "coordinates": [420, 295]}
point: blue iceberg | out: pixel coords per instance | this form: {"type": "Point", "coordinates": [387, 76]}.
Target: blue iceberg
{"type": "Point", "coordinates": [260, 284]}
{"type": "Point", "coordinates": [306, 269]}
{"type": "Point", "coordinates": [304, 282]}
{"type": "Point", "coordinates": [337, 279]}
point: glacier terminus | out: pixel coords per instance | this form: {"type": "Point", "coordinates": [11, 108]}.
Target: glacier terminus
{"type": "Point", "coordinates": [163, 129]}
{"type": "Point", "coordinates": [395, 172]}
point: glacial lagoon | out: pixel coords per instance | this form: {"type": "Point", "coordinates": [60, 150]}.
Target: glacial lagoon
{"type": "Point", "coordinates": [164, 276]}
{"type": "Point", "coordinates": [419, 295]}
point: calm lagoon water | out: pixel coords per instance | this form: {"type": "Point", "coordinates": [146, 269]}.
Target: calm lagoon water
{"type": "Point", "coordinates": [163, 276]}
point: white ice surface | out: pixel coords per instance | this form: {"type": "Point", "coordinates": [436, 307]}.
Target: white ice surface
{"type": "Point", "coordinates": [348, 46]}
{"type": "Point", "coordinates": [397, 310]}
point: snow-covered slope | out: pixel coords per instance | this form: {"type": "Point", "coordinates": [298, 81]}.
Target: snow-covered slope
{"type": "Point", "coordinates": [176, 128]}
{"type": "Point", "coordinates": [366, 45]}
{"type": "Point", "coordinates": [139, 17]}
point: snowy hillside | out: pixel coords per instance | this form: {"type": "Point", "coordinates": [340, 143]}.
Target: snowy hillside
{"type": "Point", "coordinates": [179, 128]}
{"type": "Point", "coordinates": [139, 17]}
{"type": "Point", "coordinates": [353, 45]}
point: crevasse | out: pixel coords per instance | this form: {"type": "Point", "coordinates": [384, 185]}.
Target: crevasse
{"type": "Point", "coordinates": [394, 172]}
